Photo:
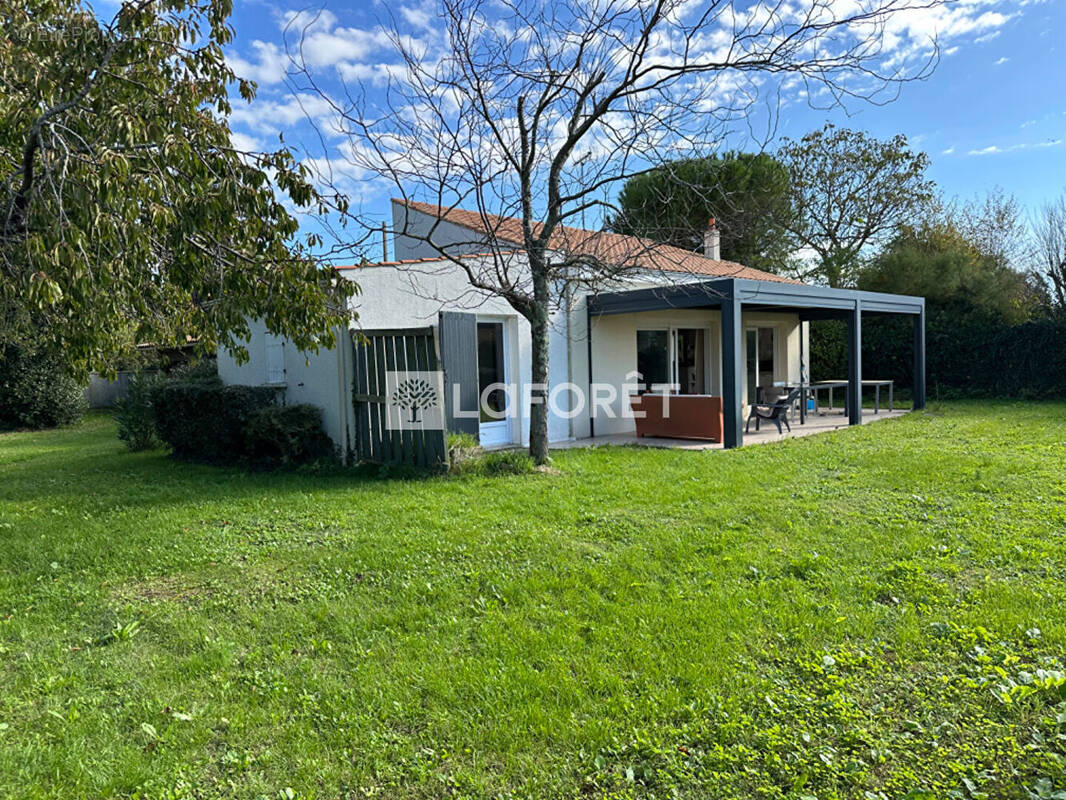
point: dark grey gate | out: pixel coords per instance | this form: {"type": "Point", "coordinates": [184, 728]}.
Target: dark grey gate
{"type": "Point", "coordinates": [376, 353]}
{"type": "Point", "coordinates": [458, 349]}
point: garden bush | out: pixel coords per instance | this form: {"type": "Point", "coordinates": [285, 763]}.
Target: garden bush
{"type": "Point", "coordinates": [202, 420]}
{"type": "Point", "coordinates": [37, 389]}
{"type": "Point", "coordinates": [285, 436]}
{"type": "Point", "coordinates": [204, 370]}
{"type": "Point", "coordinates": [135, 414]}
{"type": "Point", "coordinates": [463, 448]}
{"type": "Point", "coordinates": [965, 356]}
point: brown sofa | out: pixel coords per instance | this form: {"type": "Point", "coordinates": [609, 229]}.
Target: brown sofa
{"type": "Point", "coordinates": [691, 416]}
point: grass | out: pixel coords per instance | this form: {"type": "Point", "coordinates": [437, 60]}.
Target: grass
{"type": "Point", "coordinates": [874, 613]}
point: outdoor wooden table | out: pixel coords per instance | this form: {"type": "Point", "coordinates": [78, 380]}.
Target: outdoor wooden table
{"type": "Point", "coordinates": [876, 385]}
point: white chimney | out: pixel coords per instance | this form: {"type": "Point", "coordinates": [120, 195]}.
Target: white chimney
{"type": "Point", "coordinates": [712, 241]}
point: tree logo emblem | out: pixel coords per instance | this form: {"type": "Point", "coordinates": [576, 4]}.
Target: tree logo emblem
{"type": "Point", "coordinates": [416, 395]}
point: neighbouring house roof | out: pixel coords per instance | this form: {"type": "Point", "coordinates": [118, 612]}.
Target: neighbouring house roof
{"type": "Point", "coordinates": [608, 247]}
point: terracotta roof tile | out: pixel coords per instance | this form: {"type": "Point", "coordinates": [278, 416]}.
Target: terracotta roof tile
{"type": "Point", "coordinates": [610, 247]}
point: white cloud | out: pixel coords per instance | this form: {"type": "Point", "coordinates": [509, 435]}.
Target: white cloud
{"type": "Point", "coordinates": [271, 116]}
{"type": "Point", "coordinates": [993, 149]}
{"type": "Point", "coordinates": [373, 74]}
{"type": "Point", "coordinates": [246, 143]}
{"type": "Point", "coordinates": [361, 60]}
{"type": "Point", "coordinates": [321, 42]}
{"type": "Point", "coordinates": [268, 66]}
{"type": "Point", "coordinates": [423, 17]}
{"type": "Point", "coordinates": [315, 39]}
{"type": "Point", "coordinates": [1000, 61]}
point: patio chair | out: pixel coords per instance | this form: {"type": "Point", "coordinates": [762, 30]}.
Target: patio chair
{"type": "Point", "coordinates": [775, 412]}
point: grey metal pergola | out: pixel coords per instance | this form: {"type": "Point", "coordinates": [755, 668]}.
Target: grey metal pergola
{"type": "Point", "coordinates": [732, 295]}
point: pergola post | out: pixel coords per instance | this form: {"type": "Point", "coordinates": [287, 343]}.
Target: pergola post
{"type": "Point", "coordinates": [803, 383]}
{"type": "Point", "coordinates": [919, 360]}
{"type": "Point", "coordinates": [732, 375]}
{"type": "Point", "coordinates": [855, 365]}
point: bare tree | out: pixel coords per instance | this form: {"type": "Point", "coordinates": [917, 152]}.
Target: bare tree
{"type": "Point", "coordinates": [995, 224]}
{"type": "Point", "coordinates": [850, 191]}
{"type": "Point", "coordinates": [534, 111]}
{"type": "Point", "coordinates": [1049, 229]}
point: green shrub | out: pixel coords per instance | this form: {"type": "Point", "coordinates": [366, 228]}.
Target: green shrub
{"type": "Point", "coordinates": [965, 357]}
{"type": "Point", "coordinates": [204, 420]}
{"type": "Point", "coordinates": [462, 450]}
{"type": "Point", "coordinates": [466, 457]}
{"type": "Point", "coordinates": [37, 389]}
{"type": "Point", "coordinates": [204, 370]}
{"type": "Point", "coordinates": [134, 413]}
{"type": "Point", "coordinates": [284, 436]}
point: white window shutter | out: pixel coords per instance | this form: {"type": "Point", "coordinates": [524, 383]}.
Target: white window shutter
{"type": "Point", "coordinates": [275, 358]}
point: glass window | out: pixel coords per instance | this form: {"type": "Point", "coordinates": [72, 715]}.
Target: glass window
{"type": "Point", "coordinates": [653, 357]}
{"type": "Point", "coordinates": [275, 361]}
{"type": "Point", "coordinates": [751, 351]}
{"type": "Point", "coordinates": [766, 357]}
{"type": "Point", "coordinates": [690, 361]}
{"type": "Point", "coordinates": [490, 370]}
{"type": "Point", "coordinates": [759, 362]}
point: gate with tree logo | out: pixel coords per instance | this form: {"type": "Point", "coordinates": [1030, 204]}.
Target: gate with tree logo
{"type": "Point", "coordinates": [398, 398]}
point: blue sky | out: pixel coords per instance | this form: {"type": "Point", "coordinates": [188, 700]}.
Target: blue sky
{"type": "Point", "coordinates": [992, 114]}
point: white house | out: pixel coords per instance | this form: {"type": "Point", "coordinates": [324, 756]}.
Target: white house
{"type": "Point", "coordinates": [707, 327]}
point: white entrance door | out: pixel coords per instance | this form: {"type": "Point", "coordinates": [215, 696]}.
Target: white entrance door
{"type": "Point", "coordinates": [493, 372]}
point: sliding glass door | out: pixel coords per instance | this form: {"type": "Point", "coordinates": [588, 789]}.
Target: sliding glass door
{"type": "Point", "coordinates": [691, 355]}
{"type": "Point", "coordinates": [654, 358]}
{"type": "Point", "coordinates": [673, 356]}
{"type": "Point", "coordinates": [759, 347]}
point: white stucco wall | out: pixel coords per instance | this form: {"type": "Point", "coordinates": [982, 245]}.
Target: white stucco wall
{"type": "Point", "coordinates": [317, 378]}
{"type": "Point", "coordinates": [398, 297]}
{"type": "Point", "coordinates": [454, 238]}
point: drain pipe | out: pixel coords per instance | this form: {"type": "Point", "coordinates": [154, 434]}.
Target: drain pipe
{"type": "Point", "coordinates": [344, 388]}
{"type": "Point", "coordinates": [588, 348]}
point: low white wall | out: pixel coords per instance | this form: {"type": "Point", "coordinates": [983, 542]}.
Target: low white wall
{"type": "Point", "coordinates": [315, 378]}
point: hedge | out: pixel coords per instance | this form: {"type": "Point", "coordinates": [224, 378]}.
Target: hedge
{"type": "Point", "coordinates": [205, 421]}
{"type": "Point", "coordinates": [965, 357]}
{"type": "Point", "coordinates": [285, 436]}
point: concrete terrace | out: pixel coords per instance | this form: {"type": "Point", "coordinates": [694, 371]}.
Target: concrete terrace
{"type": "Point", "coordinates": [816, 423]}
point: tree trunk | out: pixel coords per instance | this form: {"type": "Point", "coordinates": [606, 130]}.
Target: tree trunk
{"type": "Point", "coordinates": [538, 328]}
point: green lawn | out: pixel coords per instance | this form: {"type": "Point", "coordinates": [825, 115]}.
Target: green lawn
{"type": "Point", "coordinates": [879, 612]}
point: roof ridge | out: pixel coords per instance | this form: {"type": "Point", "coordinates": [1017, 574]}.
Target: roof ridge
{"type": "Point", "coordinates": [652, 251]}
